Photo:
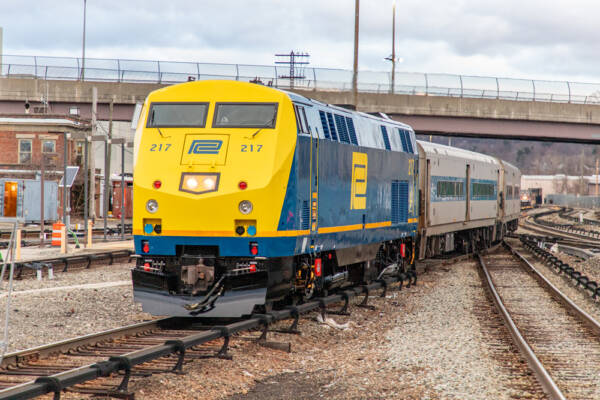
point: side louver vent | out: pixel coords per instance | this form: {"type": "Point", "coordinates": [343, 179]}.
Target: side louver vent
{"type": "Point", "coordinates": [305, 215]}
{"type": "Point", "coordinates": [399, 202]}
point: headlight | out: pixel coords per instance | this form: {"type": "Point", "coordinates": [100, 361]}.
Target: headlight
{"type": "Point", "coordinates": [245, 207]}
{"type": "Point", "coordinates": [193, 182]}
{"type": "Point", "coordinates": [152, 206]}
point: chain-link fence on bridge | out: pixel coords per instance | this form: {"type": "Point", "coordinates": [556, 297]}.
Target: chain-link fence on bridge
{"type": "Point", "coordinates": [167, 72]}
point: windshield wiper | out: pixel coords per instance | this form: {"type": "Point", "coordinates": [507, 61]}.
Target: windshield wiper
{"type": "Point", "coordinates": [267, 125]}
{"type": "Point", "coordinates": [152, 125]}
{"type": "Point", "coordinates": [161, 134]}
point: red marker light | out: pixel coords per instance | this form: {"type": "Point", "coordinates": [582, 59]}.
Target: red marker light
{"type": "Point", "coordinates": [253, 248]}
{"type": "Point", "coordinates": [403, 250]}
{"type": "Point", "coordinates": [242, 185]}
{"type": "Point", "coordinates": [318, 267]}
{"type": "Point", "coordinates": [157, 184]}
{"type": "Point", "coordinates": [145, 246]}
{"type": "Point", "coordinates": [146, 267]}
{"type": "Point", "coordinates": [252, 267]}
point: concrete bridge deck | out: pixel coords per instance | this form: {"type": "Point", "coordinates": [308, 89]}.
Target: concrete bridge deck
{"type": "Point", "coordinates": [455, 116]}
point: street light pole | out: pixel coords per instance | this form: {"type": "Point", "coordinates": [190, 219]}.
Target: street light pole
{"type": "Point", "coordinates": [83, 45]}
{"type": "Point", "coordinates": [393, 46]}
{"type": "Point", "coordinates": [355, 70]}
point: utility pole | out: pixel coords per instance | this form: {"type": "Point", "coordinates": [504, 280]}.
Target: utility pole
{"type": "Point", "coordinates": [86, 184]}
{"type": "Point", "coordinates": [596, 176]}
{"type": "Point", "coordinates": [355, 68]}
{"type": "Point", "coordinates": [66, 194]}
{"type": "Point", "coordinates": [582, 184]}
{"type": "Point", "coordinates": [83, 44]}
{"type": "Point", "coordinates": [107, 154]}
{"type": "Point", "coordinates": [123, 190]}
{"type": "Point", "coordinates": [42, 200]}
{"type": "Point", "coordinates": [393, 46]}
{"type": "Point", "coordinates": [91, 158]}
{"type": "Point", "coordinates": [392, 58]}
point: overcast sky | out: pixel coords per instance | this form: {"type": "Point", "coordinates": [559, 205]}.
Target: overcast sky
{"type": "Point", "coordinates": [541, 39]}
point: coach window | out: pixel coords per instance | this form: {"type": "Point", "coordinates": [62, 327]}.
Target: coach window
{"type": "Point", "coordinates": [24, 151]}
{"type": "Point", "coordinates": [245, 115]}
{"type": "Point", "coordinates": [450, 189]}
{"type": "Point", "coordinates": [483, 190]}
{"type": "Point", "coordinates": [177, 115]}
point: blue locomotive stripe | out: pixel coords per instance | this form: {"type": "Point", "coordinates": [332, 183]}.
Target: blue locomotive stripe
{"type": "Point", "coordinates": [276, 246]}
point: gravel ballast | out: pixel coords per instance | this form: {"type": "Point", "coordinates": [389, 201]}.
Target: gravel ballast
{"type": "Point", "coordinates": [434, 340]}
{"type": "Point", "coordinates": [49, 316]}
{"type": "Point", "coordinates": [426, 342]}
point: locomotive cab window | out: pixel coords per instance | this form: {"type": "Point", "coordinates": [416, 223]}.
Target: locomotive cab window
{"type": "Point", "coordinates": [177, 115]}
{"type": "Point", "coordinates": [301, 121]}
{"type": "Point", "coordinates": [245, 115]}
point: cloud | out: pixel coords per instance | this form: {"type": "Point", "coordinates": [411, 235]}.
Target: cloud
{"type": "Point", "coordinates": [535, 39]}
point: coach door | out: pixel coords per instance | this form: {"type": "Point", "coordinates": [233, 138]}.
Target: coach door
{"type": "Point", "coordinates": [468, 192]}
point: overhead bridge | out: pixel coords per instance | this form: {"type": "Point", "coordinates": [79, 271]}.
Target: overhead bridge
{"type": "Point", "coordinates": [440, 104]}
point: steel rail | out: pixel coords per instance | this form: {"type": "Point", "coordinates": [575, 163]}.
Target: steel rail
{"type": "Point", "coordinates": [96, 231]}
{"type": "Point", "coordinates": [568, 303]}
{"type": "Point", "coordinates": [540, 228]}
{"type": "Point", "coordinates": [543, 377]}
{"type": "Point", "coordinates": [75, 259]}
{"type": "Point", "coordinates": [12, 359]}
{"type": "Point", "coordinates": [558, 237]}
{"type": "Point", "coordinates": [58, 382]}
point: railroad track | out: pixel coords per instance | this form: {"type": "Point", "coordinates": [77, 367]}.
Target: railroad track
{"type": "Point", "coordinates": [567, 238]}
{"type": "Point", "coordinates": [572, 230]}
{"type": "Point", "coordinates": [103, 364]}
{"type": "Point", "coordinates": [559, 340]}
{"type": "Point", "coordinates": [35, 234]}
{"type": "Point", "coordinates": [95, 238]}
{"type": "Point", "coordinates": [68, 263]}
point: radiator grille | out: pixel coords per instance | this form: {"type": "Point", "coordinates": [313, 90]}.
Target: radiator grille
{"type": "Point", "coordinates": [399, 202]}
{"type": "Point", "coordinates": [305, 215]}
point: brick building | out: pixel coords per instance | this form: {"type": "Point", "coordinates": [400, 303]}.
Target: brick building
{"type": "Point", "coordinates": [25, 138]}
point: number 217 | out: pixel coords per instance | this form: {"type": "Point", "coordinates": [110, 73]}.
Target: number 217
{"type": "Point", "coordinates": [250, 148]}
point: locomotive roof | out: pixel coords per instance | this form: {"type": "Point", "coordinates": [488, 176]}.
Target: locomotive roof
{"type": "Point", "coordinates": [301, 99]}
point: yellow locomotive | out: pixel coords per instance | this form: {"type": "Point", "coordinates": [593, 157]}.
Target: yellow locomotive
{"type": "Point", "coordinates": [245, 195]}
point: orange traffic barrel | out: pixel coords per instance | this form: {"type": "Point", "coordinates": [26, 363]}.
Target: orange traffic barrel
{"type": "Point", "coordinates": [56, 228]}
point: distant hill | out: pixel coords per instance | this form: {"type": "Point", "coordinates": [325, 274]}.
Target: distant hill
{"type": "Point", "coordinates": [532, 158]}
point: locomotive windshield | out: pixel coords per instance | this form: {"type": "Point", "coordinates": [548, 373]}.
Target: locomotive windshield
{"type": "Point", "coordinates": [245, 115]}
{"type": "Point", "coordinates": [170, 115]}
